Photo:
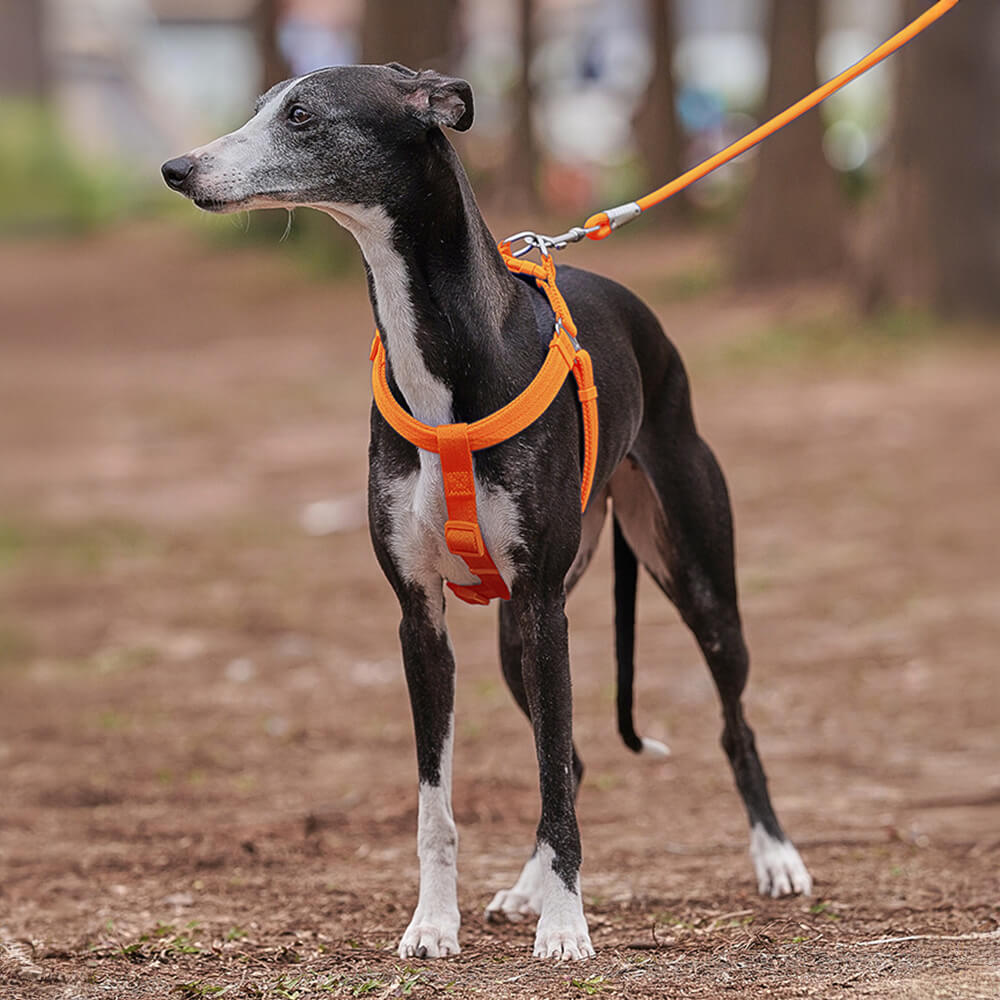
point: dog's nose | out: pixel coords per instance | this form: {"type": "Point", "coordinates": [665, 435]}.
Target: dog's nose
{"type": "Point", "coordinates": [176, 171]}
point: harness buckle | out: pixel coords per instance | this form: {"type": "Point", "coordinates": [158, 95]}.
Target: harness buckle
{"type": "Point", "coordinates": [464, 539]}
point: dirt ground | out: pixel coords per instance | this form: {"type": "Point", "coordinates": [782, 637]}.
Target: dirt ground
{"type": "Point", "coordinates": [208, 780]}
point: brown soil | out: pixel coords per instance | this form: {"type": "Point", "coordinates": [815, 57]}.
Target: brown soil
{"type": "Point", "coordinates": [208, 775]}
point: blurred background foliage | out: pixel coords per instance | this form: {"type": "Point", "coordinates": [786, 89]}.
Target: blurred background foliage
{"type": "Point", "coordinates": [890, 188]}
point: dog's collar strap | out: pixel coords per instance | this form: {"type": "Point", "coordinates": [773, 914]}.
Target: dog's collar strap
{"type": "Point", "coordinates": [456, 442]}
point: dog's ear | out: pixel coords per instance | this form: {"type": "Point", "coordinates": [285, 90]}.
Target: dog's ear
{"type": "Point", "coordinates": [441, 101]}
{"type": "Point", "coordinates": [400, 68]}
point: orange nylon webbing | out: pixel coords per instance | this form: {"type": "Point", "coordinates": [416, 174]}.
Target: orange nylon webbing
{"type": "Point", "coordinates": [456, 442]}
{"type": "Point", "coordinates": [461, 530]}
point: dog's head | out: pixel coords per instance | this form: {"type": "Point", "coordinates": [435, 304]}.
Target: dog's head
{"type": "Point", "coordinates": [337, 137]}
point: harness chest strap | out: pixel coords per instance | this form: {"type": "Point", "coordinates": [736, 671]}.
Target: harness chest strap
{"type": "Point", "coordinates": [461, 530]}
{"type": "Point", "coordinates": [456, 442]}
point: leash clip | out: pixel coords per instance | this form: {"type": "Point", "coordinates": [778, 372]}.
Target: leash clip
{"type": "Point", "coordinates": [560, 327]}
{"type": "Point", "coordinates": [546, 244]}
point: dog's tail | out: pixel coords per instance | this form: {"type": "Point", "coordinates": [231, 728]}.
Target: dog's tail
{"type": "Point", "coordinates": [626, 583]}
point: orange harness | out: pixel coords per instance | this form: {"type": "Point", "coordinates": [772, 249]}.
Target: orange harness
{"type": "Point", "coordinates": [455, 443]}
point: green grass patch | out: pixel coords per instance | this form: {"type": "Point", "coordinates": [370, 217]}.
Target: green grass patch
{"type": "Point", "coordinates": [679, 923]}
{"type": "Point", "coordinates": [687, 285]}
{"type": "Point", "coordinates": [12, 543]}
{"type": "Point", "coordinates": [163, 943]}
{"type": "Point", "coordinates": [45, 188]}
{"type": "Point", "coordinates": [835, 339]}
{"type": "Point", "coordinates": [403, 981]}
{"type": "Point", "coordinates": [80, 546]}
{"type": "Point", "coordinates": [16, 646]}
{"type": "Point", "coordinates": [824, 910]}
{"type": "Point", "coordinates": [364, 987]}
{"type": "Point", "coordinates": [592, 985]}
{"type": "Point", "coordinates": [122, 658]}
{"type": "Point", "coordinates": [197, 989]}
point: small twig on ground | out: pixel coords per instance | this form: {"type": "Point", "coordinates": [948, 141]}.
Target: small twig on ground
{"type": "Point", "coordinates": [973, 936]}
{"type": "Point", "coordinates": [728, 916]}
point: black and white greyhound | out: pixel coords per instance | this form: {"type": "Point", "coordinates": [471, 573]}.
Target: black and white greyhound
{"type": "Point", "coordinates": [463, 337]}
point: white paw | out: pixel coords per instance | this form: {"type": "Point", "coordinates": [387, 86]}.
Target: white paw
{"type": "Point", "coordinates": [563, 943]}
{"type": "Point", "coordinates": [780, 871]}
{"type": "Point", "coordinates": [508, 904]}
{"type": "Point", "coordinates": [523, 900]}
{"type": "Point", "coordinates": [562, 928]}
{"type": "Point", "coordinates": [430, 938]}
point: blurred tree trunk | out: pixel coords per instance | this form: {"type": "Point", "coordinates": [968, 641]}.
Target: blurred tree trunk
{"type": "Point", "coordinates": [273, 67]}
{"type": "Point", "coordinates": [940, 237]}
{"type": "Point", "coordinates": [520, 174]}
{"type": "Point", "coordinates": [23, 72]}
{"type": "Point", "coordinates": [792, 222]}
{"type": "Point", "coordinates": [421, 34]}
{"type": "Point", "coordinates": [656, 125]}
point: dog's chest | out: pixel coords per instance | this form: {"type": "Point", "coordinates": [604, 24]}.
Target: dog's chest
{"type": "Point", "coordinates": [417, 515]}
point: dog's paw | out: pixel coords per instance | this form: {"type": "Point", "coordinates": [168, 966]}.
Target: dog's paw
{"type": "Point", "coordinates": [514, 906]}
{"type": "Point", "coordinates": [429, 938]}
{"type": "Point", "coordinates": [523, 900]}
{"type": "Point", "coordinates": [780, 871]}
{"type": "Point", "coordinates": [563, 943]}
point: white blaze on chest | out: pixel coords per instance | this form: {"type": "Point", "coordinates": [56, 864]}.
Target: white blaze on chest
{"type": "Point", "coordinates": [417, 506]}
{"type": "Point", "coordinates": [418, 513]}
{"type": "Point", "coordinates": [428, 398]}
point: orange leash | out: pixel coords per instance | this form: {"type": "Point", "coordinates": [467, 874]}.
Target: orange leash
{"type": "Point", "coordinates": [602, 224]}
{"type": "Point", "coordinates": [455, 443]}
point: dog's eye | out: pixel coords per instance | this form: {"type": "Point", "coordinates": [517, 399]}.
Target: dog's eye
{"type": "Point", "coordinates": [298, 115]}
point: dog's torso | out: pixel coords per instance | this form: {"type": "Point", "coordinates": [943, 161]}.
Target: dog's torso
{"type": "Point", "coordinates": [527, 487]}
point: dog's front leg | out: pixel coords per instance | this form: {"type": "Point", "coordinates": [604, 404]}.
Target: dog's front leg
{"type": "Point", "coordinates": [430, 676]}
{"type": "Point", "coordinates": [562, 928]}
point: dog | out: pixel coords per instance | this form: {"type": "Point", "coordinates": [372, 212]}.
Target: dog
{"type": "Point", "coordinates": [463, 337]}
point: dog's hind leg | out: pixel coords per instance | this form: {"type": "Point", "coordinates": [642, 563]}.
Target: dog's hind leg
{"type": "Point", "coordinates": [430, 676]}
{"type": "Point", "coordinates": [675, 514]}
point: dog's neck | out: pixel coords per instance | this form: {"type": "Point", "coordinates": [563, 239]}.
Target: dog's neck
{"type": "Point", "coordinates": [441, 294]}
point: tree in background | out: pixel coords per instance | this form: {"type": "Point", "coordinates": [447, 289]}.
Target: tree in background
{"type": "Point", "coordinates": [422, 34]}
{"type": "Point", "coordinates": [520, 174]}
{"type": "Point", "coordinates": [22, 57]}
{"type": "Point", "coordinates": [656, 125]}
{"type": "Point", "coordinates": [792, 221]}
{"type": "Point", "coordinates": [940, 238]}
{"type": "Point", "coordinates": [273, 65]}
